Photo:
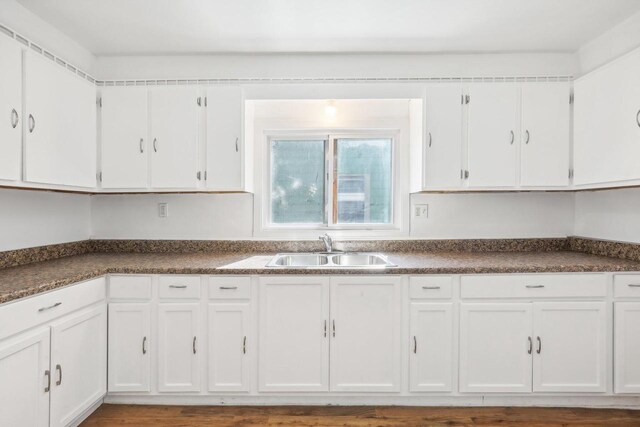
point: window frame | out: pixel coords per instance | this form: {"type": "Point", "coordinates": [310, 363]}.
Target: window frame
{"type": "Point", "coordinates": [330, 179]}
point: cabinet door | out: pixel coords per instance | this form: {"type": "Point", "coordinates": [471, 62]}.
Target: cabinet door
{"type": "Point", "coordinates": [607, 123]}
{"type": "Point", "coordinates": [179, 353]}
{"type": "Point", "coordinates": [60, 145]}
{"type": "Point", "coordinates": [78, 364]}
{"type": "Point", "coordinates": [225, 168]}
{"type": "Point", "coordinates": [24, 369]}
{"type": "Point", "coordinates": [566, 357]}
{"type": "Point", "coordinates": [545, 134]}
{"type": "Point", "coordinates": [294, 336]}
{"type": "Point", "coordinates": [10, 109]}
{"type": "Point", "coordinates": [229, 326]}
{"type": "Point", "coordinates": [431, 357]}
{"type": "Point", "coordinates": [124, 145]}
{"type": "Point", "coordinates": [493, 135]}
{"type": "Point", "coordinates": [443, 139]}
{"type": "Point", "coordinates": [365, 334]}
{"type": "Point", "coordinates": [129, 334]}
{"type": "Point", "coordinates": [495, 347]}
{"type": "Point", "coordinates": [174, 137]}
{"type": "Point", "coordinates": [627, 347]}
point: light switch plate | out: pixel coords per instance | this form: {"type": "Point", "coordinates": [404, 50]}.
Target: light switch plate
{"type": "Point", "coordinates": [163, 210]}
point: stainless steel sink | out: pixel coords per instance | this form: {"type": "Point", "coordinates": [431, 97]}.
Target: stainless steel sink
{"type": "Point", "coordinates": [339, 260]}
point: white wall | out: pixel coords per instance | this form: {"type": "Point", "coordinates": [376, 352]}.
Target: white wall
{"type": "Point", "coordinates": [230, 216]}
{"type": "Point", "coordinates": [333, 65]}
{"type": "Point", "coordinates": [16, 17]}
{"type": "Point", "coordinates": [619, 40]}
{"type": "Point", "coordinates": [493, 215]}
{"type": "Point", "coordinates": [611, 215]}
{"type": "Point", "coordinates": [191, 216]}
{"type": "Point", "coordinates": [36, 218]}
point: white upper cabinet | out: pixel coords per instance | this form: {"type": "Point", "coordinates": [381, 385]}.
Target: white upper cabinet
{"type": "Point", "coordinates": [443, 136]}
{"type": "Point", "coordinates": [174, 137]}
{"type": "Point", "coordinates": [26, 379]}
{"type": "Point", "coordinates": [544, 138]}
{"type": "Point", "coordinates": [365, 334]}
{"type": "Point", "coordinates": [60, 125]}
{"type": "Point", "coordinates": [495, 347]}
{"type": "Point", "coordinates": [294, 334]}
{"type": "Point", "coordinates": [10, 109]}
{"type": "Point", "coordinates": [607, 123]}
{"type": "Point", "coordinates": [225, 142]}
{"type": "Point", "coordinates": [570, 347]}
{"type": "Point", "coordinates": [493, 134]}
{"type": "Point", "coordinates": [125, 143]}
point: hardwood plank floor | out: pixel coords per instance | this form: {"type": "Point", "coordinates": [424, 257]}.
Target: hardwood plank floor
{"type": "Point", "coordinates": [354, 416]}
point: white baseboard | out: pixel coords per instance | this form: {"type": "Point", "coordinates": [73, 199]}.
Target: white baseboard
{"type": "Point", "coordinates": [76, 422]}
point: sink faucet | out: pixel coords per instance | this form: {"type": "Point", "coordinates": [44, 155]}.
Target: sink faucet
{"type": "Point", "coordinates": [328, 243]}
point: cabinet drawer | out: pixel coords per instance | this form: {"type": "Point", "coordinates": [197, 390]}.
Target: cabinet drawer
{"type": "Point", "coordinates": [22, 315]}
{"type": "Point", "coordinates": [430, 287]}
{"type": "Point", "coordinates": [534, 286]}
{"type": "Point", "coordinates": [130, 287]}
{"type": "Point", "coordinates": [626, 285]}
{"type": "Point", "coordinates": [229, 287]}
{"type": "Point", "coordinates": [179, 287]}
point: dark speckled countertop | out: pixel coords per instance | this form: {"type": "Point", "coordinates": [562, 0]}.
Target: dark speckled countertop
{"type": "Point", "coordinates": [34, 278]}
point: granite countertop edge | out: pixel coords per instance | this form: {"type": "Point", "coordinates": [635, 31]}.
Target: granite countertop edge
{"type": "Point", "coordinates": [254, 264]}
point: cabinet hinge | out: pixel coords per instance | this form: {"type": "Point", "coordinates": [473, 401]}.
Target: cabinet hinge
{"type": "Point", "coordinates": [467, 99]}
{"type": "Point", "coordinates": [99, 102]}
{"type": "Point", "coordinates": [199, 101]}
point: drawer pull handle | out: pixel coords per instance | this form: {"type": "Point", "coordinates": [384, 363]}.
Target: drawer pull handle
{"type": "Point", "coordinates": [228, 287]}
{"type": "Point", "coordinates": [14, 118]}
{"type": "Point", "coordinates": [47, 374]}
{"type": "Point", "coordinates": [431, 287]}
{"type": "Point", "coordinates": [539, 345]}
{"type": "Point", "coordinates": [178, 286]}
{"type": "Point", "coordinates": [634, 285]}
{"type": "Point", "coordinates": [50, 307]}
{"type": "Point", "coordinates": [535, 286]}
{"type": "Point", "coordinates": [334, 328]}
{"type": "Point", "coordinates": [415, 345]}
{"type": "Point", "coordinates": [194, 345]}
{"type": "Point", "coordinates": [144, 345]}
{"type": "Point", "coordinates": [325, 328]}
{"type": "Point", "coordinates": [59, 369]}
{"type": "Point", "coordinates": [530, 350]}
{"type": "Point", "coordinates": [244, 345]}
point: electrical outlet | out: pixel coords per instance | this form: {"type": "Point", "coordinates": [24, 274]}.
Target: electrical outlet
{"type": "Point", "coordinates": [421, 211]}
{"type": "Point", "coordinates": [163, 210]}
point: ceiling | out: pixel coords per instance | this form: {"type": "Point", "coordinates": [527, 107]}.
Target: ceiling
{"type": "Point", "coordinates": [127, 27]}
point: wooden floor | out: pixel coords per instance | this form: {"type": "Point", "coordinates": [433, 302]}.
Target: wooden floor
{"type": "Point", "coordinates": [383, 416]}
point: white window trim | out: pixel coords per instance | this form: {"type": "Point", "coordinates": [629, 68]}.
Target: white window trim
{"type": "Point", "coordinates": [399, 227]}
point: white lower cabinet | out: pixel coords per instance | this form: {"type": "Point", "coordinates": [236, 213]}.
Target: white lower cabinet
{"type": "Point", "coordinates": [78, 364]}
{"type": "Point", "coordinates": [228, 332]}
{"type": "Point", "coordinates": [539, 347]}
{"type": "Point", "coordinates": [365, 334]}
{"type": "Point", "coordinates": [25, 379]}
{"type": "Point", "coordinates": [570, 347]}
{"type": "Point", "coordinates": [178, 349]}
{"type": "Point", "coordinates": [627, 347]}
{"type": "Point", "coordinates": [294, 334]}
{"type": "Point", "coordinates": [129, 347]}
{"type": "Point", "coordinates": [495, 347]}
{"type": "Point", "coordinates": [431, 356]}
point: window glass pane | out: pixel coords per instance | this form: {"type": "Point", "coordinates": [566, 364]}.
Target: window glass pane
{"type": "Point", "coordinates": [297, 181]}
{"type": "Point", "coordinates": [364, 181]}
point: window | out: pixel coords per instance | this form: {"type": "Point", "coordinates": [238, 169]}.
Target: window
{"type": "Point", "coordinates": [337, 182]}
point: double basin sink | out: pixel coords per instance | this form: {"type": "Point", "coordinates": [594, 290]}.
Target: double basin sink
{"type": "Point", "coordinates": [331, 260]}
